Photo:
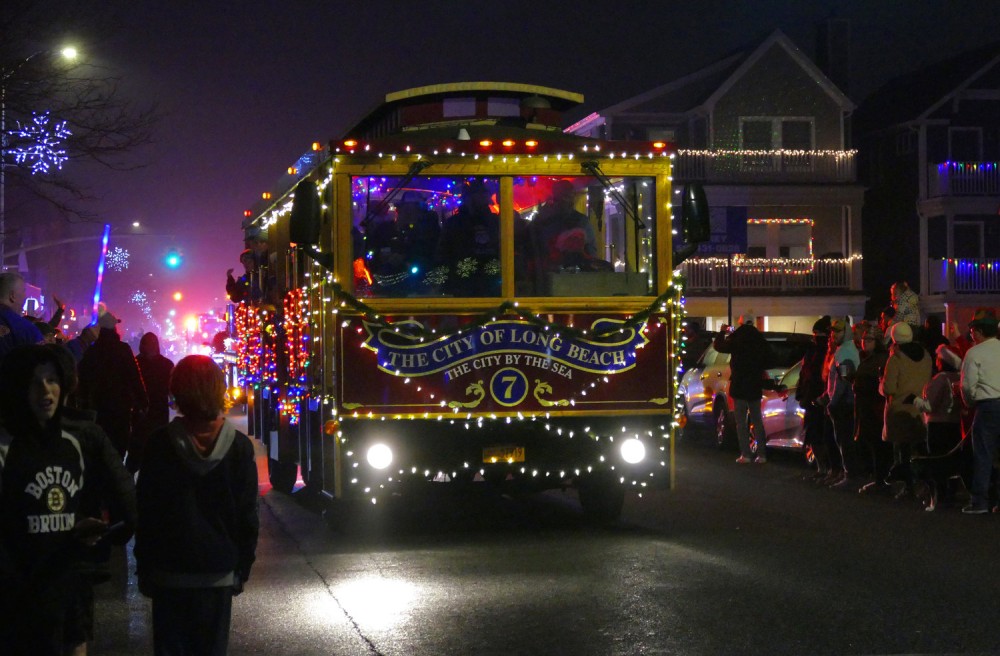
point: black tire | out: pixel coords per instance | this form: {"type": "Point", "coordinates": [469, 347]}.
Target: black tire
{"type": "Point", "coordinates": [602, 497]}
{"type": "Point", "coordinates": [282, 475]}
{"type": "Point", "coordinates": [725, 430]}
{"type": "Point", "coordinates": [684, 432]}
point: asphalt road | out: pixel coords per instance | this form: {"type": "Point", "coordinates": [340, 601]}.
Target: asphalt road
{"type": "Point", "coordinates": [738, 559]}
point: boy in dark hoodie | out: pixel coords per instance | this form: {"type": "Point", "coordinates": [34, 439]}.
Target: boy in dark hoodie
{"type": "Point", "coordinates": [198, 524]}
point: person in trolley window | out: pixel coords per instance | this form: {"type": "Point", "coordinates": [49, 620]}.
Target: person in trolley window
{"type": "Point", "coordinates": [564, 238]}
{"type": "Point", "coordinates": [470, 244]}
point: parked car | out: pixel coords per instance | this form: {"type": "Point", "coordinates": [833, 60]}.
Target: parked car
{"type": "Point", "coordinates": [694, 347]}
{"type": "Point", "coordinates": [782, 413]}
{"type": "Point", "coordinates": [705, 387]}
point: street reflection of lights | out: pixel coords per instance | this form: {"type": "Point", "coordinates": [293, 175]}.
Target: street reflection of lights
{"type": "Point", "coordinates": [375, 603]}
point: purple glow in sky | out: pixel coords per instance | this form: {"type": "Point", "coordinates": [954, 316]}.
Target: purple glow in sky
{"type": "Point", "coordinates": [247, 87]}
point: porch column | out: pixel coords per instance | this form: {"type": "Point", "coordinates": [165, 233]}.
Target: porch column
{"type": "Point", "coordinates": [925, 280]}
{"type": "Point", "coordinates": [949, 249]}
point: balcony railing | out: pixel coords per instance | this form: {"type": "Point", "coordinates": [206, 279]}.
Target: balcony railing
{"type": "Point", "coordinates": [963, 179]}
{"type": "Point", "coordinates": [772, 275]}
{"type": "Point", "coordinates": [786, 166]}
{"type": "Point", "coordinates": [964, 276]}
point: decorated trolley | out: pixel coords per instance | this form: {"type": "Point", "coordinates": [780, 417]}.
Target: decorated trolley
{"type": "Point", "coordinates": [459, 293]}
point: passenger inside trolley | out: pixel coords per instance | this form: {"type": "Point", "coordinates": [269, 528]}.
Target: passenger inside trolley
{"type": "Point", "coordinates": [420, 229]}
{"type": "Point", "coordinates": [470, 244]}
{"type": "Point", "coordinates": [577, 236]}
{"type": "Point", "coordinates": [564, 238]}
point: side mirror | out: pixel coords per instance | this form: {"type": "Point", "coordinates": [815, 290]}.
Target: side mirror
{"type": "Point", "coordinates": [696, 226]}
{"type": "Point", "coordinates": [303, 224]}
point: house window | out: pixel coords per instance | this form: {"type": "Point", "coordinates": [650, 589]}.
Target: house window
{"type": "Point", "coordinates": [779, 244]}
{"type": "Point", "coordinates": [906, 142]}
{"type": "Point", "coordinates": [661, 134]}
{"type": "Point", "coordinates": [777, 133]}
{"type": "Point", "coordinates": [457, 107]}
{"type": "Point", "coordinates": [796, 134]}
{"type": "Point", "coordinates": [503, 107]}
{"type": "Point", "coordinates": [965, 144]}
{"type": "Point", "coordinates": [968, 239]}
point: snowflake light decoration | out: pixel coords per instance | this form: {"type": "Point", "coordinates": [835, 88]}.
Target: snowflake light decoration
{"type": "Point", "coordinates": [41, 145]}
{"type": "Point", "coordinates": [117, 259]}
{"type": "Point", "coordinates": [139, 298]}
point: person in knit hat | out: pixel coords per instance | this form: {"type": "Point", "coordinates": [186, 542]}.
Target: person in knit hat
{"type": "Point", "coordinates": [906, 372]}
{"type": "Point", "coordinates": [869, 407]}
{"type": "Point", "coordinates": [941, 405]}
{"type": "Point", "coordinates": [906, 303]}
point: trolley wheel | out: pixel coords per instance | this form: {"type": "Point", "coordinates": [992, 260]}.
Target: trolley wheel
{"type": "Point", "coordinates": [338, 515]}
{"type": "Point", "coordinates": [601, 497]}
{"type": "Point", "coordinates": [282, 475]}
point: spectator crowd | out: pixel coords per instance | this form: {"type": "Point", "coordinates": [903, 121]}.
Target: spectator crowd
{"type": "Point", "coordinates": [89, 456]}
{"type": "Point", "coordinates": [892, 405]}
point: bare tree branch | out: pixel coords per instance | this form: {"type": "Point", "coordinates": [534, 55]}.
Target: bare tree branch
{"type": "Point", "coordinates": [106, 127]}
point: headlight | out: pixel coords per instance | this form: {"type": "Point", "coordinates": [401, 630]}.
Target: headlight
{"type": "Point", "coordinates": [633, 451]}
{"type": "Point", "coordinates": [379, 456]}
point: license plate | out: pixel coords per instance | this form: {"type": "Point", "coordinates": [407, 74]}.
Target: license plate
{"type": "Point", "coordinates": [494, 454]}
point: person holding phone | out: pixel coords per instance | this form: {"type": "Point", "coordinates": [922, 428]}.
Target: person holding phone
{"type": "Point", "coordinates": [56, 478]}
{"type": "Point", "coordinates": [750, 355]}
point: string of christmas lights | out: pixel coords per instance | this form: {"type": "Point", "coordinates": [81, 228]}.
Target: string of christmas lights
{"type": "Point", "coordinates": [838, 154]}
{"type": "Point", "coordinates": [295, 320]}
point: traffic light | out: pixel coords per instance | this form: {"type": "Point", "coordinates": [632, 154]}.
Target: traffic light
{"type": "Point", "coordinates": [173, 259]}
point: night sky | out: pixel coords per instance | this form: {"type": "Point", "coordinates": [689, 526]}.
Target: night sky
{"type": "Point", "coordinates": [246, 87]}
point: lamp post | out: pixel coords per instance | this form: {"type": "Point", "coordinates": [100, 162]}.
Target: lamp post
{"type": "Point", "coordinates": [69, 54]}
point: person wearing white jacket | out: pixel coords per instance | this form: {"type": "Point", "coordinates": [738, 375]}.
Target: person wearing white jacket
{"type": "Point", "coordinates": [981, 390]}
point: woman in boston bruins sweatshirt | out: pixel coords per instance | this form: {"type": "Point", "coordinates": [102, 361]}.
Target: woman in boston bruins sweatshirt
{"type": "Point", "coordinates": [56, 478]}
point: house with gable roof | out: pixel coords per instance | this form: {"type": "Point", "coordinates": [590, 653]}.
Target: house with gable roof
{"type": "Point", "coordinates": [767, 134]}
{"type": "Point", "coordinates": [930, 150]}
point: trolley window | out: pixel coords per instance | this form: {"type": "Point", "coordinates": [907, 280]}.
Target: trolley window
{"type": "Point", "coordinates": [426, 236]}
{"type": "Point", "coordinates": [441, 236]}
{"type": "Point", "coordinates": [581, 236]}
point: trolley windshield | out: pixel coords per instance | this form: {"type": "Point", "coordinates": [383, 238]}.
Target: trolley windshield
{"type": "Point", "coordinates": [442, 236]}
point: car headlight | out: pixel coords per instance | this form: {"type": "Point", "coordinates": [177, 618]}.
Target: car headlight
{"type": "Point", "coordinates": [379, 456]}
{"type": "Point", "coordinates": [633, 451]}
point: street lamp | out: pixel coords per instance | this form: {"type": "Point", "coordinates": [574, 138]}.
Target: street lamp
{"type": "Point", "coordinates": [68, 53]}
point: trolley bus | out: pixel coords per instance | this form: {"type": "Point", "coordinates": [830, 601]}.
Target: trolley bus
{"type": "Point", "coordinates": [460, 293]}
